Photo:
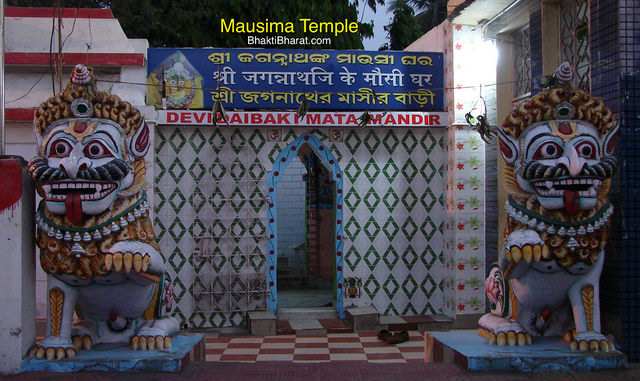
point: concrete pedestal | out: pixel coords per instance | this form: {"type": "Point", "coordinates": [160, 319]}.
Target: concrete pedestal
{"type": "Point", "coordinates": [121, 358]}
{"type": "Point", "coordinates": [471, 351]}
{"type": "Point", "coordinates": [17, 272]}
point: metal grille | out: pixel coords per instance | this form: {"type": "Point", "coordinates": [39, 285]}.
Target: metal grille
{"type": "Point", "coordinates": [230, 262]}
{"type": "Point", "coordinates": [574, 40]}
{"type": "Point", "coordinates": [522, 64]}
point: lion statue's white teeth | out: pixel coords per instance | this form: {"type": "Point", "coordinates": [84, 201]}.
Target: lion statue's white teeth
{"type": "Point", "coordinates": [95, 237]}
{"type": "Point", "coordinates": [558, 148]}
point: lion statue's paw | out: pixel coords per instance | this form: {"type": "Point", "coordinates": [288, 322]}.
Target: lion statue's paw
{"type": "Point", "coordinates": [144, 343]}
{"type": "Point", "coordinates": [592, 342]}
{"type": "Point", "coordinates": [53, 348]}
{"type": "Point", "coordinates": [510, 334]}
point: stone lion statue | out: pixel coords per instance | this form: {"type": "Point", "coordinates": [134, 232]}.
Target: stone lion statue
{"type": "Point", "coordinates": [94, 233]}
{"type": "Point", "coordinates": [558, 148]}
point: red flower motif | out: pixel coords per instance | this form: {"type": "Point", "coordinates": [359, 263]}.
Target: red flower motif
{"type": "Point", "coordinates": [460, 166]}
{"type": "Point", "coordinates": [459, 106]}
{"type": "Point", "coordinates": [460, 265]}
{"type": "Point", "coordinates": [460, 146]}
{"type": "Point", "coordinates": [460, 286]}
{"type": "Point", "coordinates": [460, 226]}
{"type": "Point", "coordinates": [460, 206]}
{"type": "Point", "coordinates": [458, 46]}
{"type": "Point", "coordinates": [458, 27]}
{"type": "Point", "coordinates": [460, 186]}
{"type": "Point", "coordinates": [460, 307]}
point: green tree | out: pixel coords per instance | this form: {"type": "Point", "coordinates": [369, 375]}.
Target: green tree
{"type": "Point", "coordinates": [403, 29]}
{"type": "Point", "coordinates": [191, 23]}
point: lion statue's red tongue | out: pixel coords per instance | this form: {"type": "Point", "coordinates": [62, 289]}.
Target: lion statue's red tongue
{"type": "Point", "coordinates": [74, 208]}
{"type": "Point", "coordinates": [571, 202]}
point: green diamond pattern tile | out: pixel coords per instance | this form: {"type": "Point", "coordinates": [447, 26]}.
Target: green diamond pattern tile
{"type": "Point", "coordinates": [409, 141]}
{"type": "Point", "coordinates": [390, 170]}
{"type": "Point", "coordinates": [352, 141]}
{"type": "Point", "coordinates": [371, 287]}
{"type": "Point", "coordinates": [197, 141]}
{"type": "Point", "coordinates": [217, 200]}
{"type": "Point", "coordinates": [390, 141]}
{"type": "Point", "coordinates": [371, 171]}
{"type": "Point", "coordinates": [237, 199]}
{"type": "Point", "coordinates": [238, 283]}
{"type": "Point", "coordinates": [257, 200]}
{"type": "Point", "coordinates": [177, 141]}
{"type": "Point", "coordinates": [237, 170]}
{"type": "Point", "coordinates": [428, 171]}
{"type": "Point", "coordinates": [429, 143]}
{"type": "Point", "coordinates": [257, 140]}
{"type": "Point", "coordinates": [217, 319]}
{"type": "Point", "coordinates": [372, 141]}
{"type": "Point", "coordinates": [352, 199]}
{"type": "Point", "coordinates": [197, 170]}
{"type": "Point", "coordinates": [197, 200]}
{"type": "Point", "coordinates": [160, 140]}
{"type": "Point", "coordinates": [390, 228]}
{"type": "Point", "coordinates": [176, 171]}
{"type": "Point", "coordinates": [352, 170]}
{"type": "Point", "coordinates": [275, 151]}
{"type": "Point", "coordinates": [409, 200]}
{"type": "Point", "coordinates": [353, 258]}
{"type": "Point", "coordinates": [217, 140]}
{"type": "Point", "coordinates": [409, 257]}
{"type": "Point", "coordinates": [337, 152]}
{"type": "Point", "coordinates": [428, 228]}
{"type": "Point", "coordinates": [177, 200]}
{"type": "Point", "coordinates": [409, 228]}
{"type": "Point", "coordinates": [197, 228]}
{"type": "Point", "coordinates": [371, 199]}
{"type": "Point", "coordinates": [409, 170]}
{"type": "Point", "coordinates": [176, 230]}
{"type": "Point", "coordinates": [256, 170]}
{"type": "Point", "coordinates": [218, 264]}
{"type": "Point", "coordinates": [237, 228]}
{"type": "Point", "coordinates": [390, 200]}
{"type": "Point", "coordinates": [218, 229]}
{"type": "Point", "coordinates": [371, 228]}
{"type": "Point", "coordinates": [428, 200]}
{"type": "Point", "coordinates": [289, 136]}
{"type": "Point", "coordinates": [159, 229]}
{"type": "Point", "coordinates": [160, 171]}
{"type": "Point", "coordinates": [390, 257]}
{"type": "Point", "coordinates": [176, 260]}
{"type": "Point", "coordinates": [390, 286]}
{"type": "Point", "coordinates": [258, 263]}
{"type": "Point", "coordinates": [371, 258]}
{"type": "Point", "coordinates": [428, 257]}
{"type": "Point", "coordinates": [352, 228]}
{"type": "Point", "coordinates": [409, 286]}
{"type": "Point", "coordinates": [428, 286]}
{"type": "Point", "coordinates": [237, 141]}
{"type": "Point", "coordinates": [217, 170]}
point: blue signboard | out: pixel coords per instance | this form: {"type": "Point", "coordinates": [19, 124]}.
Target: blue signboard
{"type": "Point", "coordinates": [282, 79]}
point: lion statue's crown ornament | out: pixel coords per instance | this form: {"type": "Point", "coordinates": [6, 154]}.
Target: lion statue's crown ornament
{"type": "Point", "coordinates": [94, 232]}
{"type": "Point", "coordinates": [558, 148]}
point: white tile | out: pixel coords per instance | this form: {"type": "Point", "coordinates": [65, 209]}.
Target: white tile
{"type": "Point", "coordinates": [348, 357]}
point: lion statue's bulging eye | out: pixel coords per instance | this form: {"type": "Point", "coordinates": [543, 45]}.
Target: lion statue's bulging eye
{"type": "Point", "coordinates": [96, 150]}
{"type": "Point", "coordinates": [586, 150]}
{"type": "Point", "coordinates": [548, 150]}
{"type": "Point", "coordinates": [60, 148]}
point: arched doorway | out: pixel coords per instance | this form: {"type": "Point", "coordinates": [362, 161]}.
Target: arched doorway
{"type": "Point", "coordinates": [313, 150]}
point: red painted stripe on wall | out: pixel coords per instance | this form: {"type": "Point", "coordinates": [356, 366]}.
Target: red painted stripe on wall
{"type": "Point", "coordinates": [83, 13]}
{"type": "Point", "coordinates": [94, 59]}
{"type": "Point", "coordinates": [19, 114]}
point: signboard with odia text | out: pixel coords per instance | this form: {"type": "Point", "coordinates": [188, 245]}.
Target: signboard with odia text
{"type": "Point", "coordinates": [283, 79]}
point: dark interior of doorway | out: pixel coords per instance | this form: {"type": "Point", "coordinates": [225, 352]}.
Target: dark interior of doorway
{"type": "Point", "coordinates": [309, 279]}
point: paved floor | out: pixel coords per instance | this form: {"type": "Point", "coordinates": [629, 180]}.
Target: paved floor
{"type": "Point", "coordinates": [315, 348]}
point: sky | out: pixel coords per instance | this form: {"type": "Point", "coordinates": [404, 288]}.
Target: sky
{"type": "Point", "coordinates": [380, 19]}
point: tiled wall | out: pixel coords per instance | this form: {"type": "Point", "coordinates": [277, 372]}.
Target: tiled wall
{"type": "Point", "coordinates": [212, 181]}
{"type": "Point", "coordinates": [615, 38]}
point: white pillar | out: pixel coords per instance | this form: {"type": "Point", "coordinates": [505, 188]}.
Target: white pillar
{"type": "Point", "coordinates": [17, 264]}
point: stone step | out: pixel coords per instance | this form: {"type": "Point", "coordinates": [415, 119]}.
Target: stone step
{"type": "Point", "coordinates": [307, 313]}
